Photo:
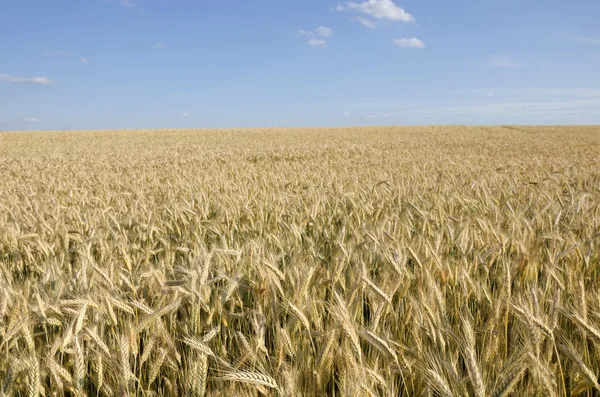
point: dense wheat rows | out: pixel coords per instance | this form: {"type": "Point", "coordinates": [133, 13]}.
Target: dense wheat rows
{"type": "Point", "coordinates": [438, 261]}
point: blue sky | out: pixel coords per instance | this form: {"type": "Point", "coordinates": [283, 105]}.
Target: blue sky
{"type": "Point", "coordinates": [95, 64]}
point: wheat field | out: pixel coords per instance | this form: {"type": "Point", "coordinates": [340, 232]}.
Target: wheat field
{"type": "Point", "coordinates": [372, 261]}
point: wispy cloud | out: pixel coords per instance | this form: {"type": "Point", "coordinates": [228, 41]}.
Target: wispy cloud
{"type": "Point", "coordinates": [566, 92]}
{"type": "Point", "coordinates": [503, 61]}
{"type": "Point", "coordinates": [322, 31]}
{"type": "Point", "coordinates": [516, 108]}
{"type": "Point", "coordinates": [365, 22]}
{"type": "Point", "coordinates": [528, 92]}
{"type": "Point", "coordinates": [184, 114]}
{"type": "Point", "coordinates": [42, 80]}
{"type": "Point", "coordinates": [346, 114]}
{"type": "Point", "coordinates": [409, 43]}
{"type": "Point", "coordinates": [133, 4]}
{"type": "Point", "coordinates": [159, 46]}
{"type": "Point", "coordinates": [31, 119]}
{"type": "Point", "coordinates": [378, 9]}
{"type": "Point", "coordinates": [587, 40]}
{"type": "Point", "coordinates": [65, 54]}
{"type": "Point", "coordinates": [129, 3]}
{"type": "Point", "coordinates": [373, 116]}
{"type": "Point", "coordinates": [317, 43]}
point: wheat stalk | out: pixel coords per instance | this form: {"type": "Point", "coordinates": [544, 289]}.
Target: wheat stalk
{"type": "Point", "coordinates": [254, 378]}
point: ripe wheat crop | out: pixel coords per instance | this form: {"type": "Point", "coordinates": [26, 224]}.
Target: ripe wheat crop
{"type": "Point", "coordinates": [425, 261]}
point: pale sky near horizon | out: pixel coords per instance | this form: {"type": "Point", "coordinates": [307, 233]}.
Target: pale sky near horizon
{"type": "Point", "coordinates": [103, 64]}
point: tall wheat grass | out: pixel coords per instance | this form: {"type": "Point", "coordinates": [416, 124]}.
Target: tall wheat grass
{"type": "Point", "coordinates": [426, 261]}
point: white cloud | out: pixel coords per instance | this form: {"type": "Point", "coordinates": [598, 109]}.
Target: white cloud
{"type": "Point", "coordinates": [370, 117]}
{"type": "Point", "coordinates": [322, 31]}
{"type": "Point", "coordinates": [31, 119]}
{"type": "Point", "coordinates": [82, 59]}
{"type": "Point", "coordinates": [159, 46]}
{"type": "Point", "coordinates": [365, 22]}
{"type": "Point", "coordinates": [346, 114]}
{"type": "Point", "coordinates": [503, 61]}
{"type": "Point", "coordinates": [409, 43]}
{"type": "Point", "coordinates": [587, 40]}
{"type": "Point", "coordinates": [379, 9]}
{"type": "Point", "coordinates": [490, 94]}
{"type": "Point", "coordinates": [184, 115]}
{"type": "Point", "coordinates": [43, 80]}
{"type": "Point", "coordinates": [384, 115]}
{"type": "Point", "coordinates": [317, 43]}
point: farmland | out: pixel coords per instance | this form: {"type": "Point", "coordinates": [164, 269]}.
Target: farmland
{"type": "Point", "coordinates": [372, 261]}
